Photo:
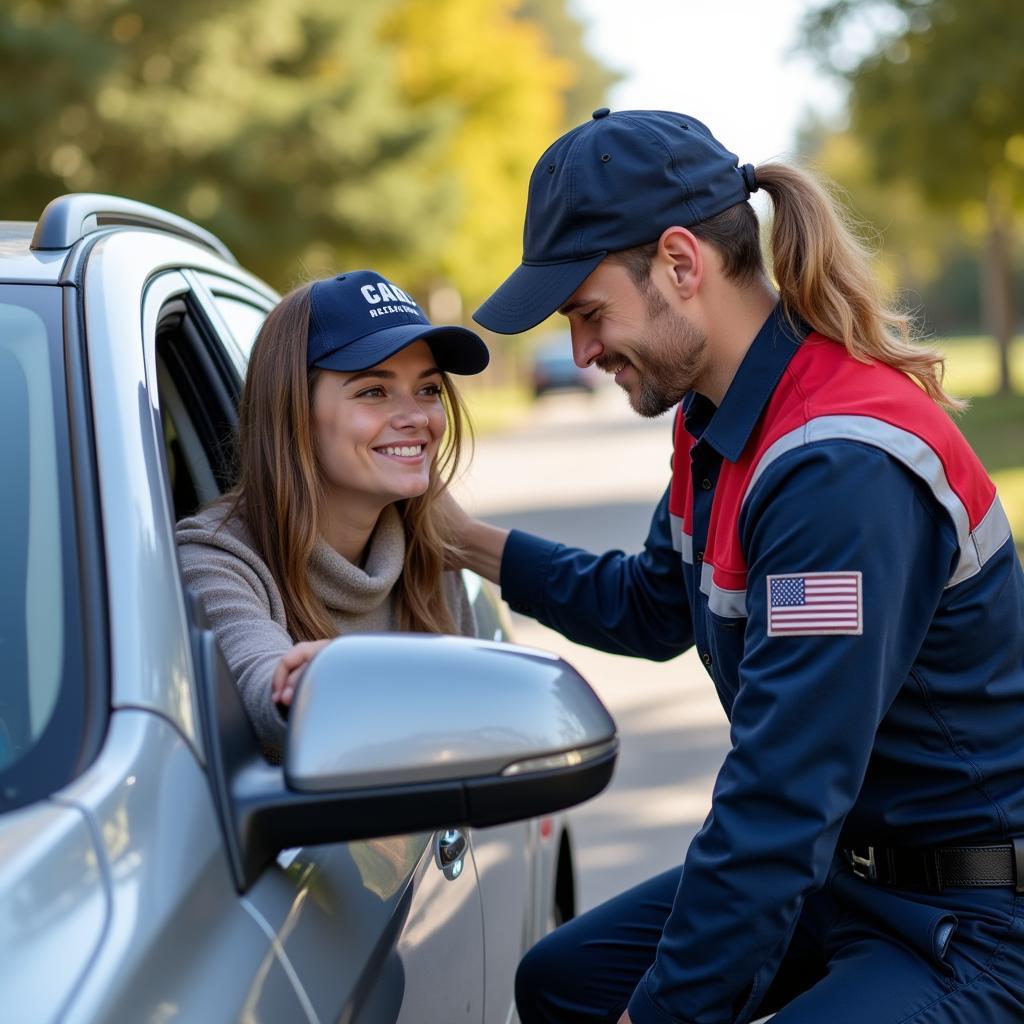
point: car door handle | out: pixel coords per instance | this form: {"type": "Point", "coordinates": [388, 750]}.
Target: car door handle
{"type": "Point", "coordinates": [449, 852]}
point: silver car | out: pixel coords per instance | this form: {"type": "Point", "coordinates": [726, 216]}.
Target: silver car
{"type": "Point", "coordinates": [153, 867]}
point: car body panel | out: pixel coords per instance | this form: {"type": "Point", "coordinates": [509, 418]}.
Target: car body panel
{"type": "Point", "coordinates": [504, 861]}
{"type": "Point", "coordinates": [53, 895]}
{"type": "Point", "coordinates": [178, 943]}
{"type": "Point", "coordinates": [151, 661]}
{"type": "Point", "coordinates": [392, 922]}
{"type": "Point", "coordinates": [516, 871]}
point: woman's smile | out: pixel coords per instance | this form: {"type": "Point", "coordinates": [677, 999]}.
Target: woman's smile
{"type": "Point", "coordinates": [410, 453]}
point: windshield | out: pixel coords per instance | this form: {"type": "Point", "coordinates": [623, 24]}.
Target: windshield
{"type": "Point", "coordinates": [36, 536]}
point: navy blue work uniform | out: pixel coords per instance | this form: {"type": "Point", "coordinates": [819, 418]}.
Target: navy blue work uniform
{"type": "Point", "coordinates": [841, 561]}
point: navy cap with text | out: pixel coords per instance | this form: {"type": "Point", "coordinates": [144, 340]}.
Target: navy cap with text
{"type": "Point", "coordinates": [615, 182]}
{"type": "Point", "coordinates": [359, 319]}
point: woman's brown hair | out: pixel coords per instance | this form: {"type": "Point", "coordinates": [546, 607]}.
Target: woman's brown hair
{"type": "Point", "coordinates": [280, 485]}
{"type": "Point", "coordinates": [822, 271]}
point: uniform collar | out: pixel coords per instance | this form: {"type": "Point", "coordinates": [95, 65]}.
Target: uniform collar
{"type": "Point", "coordinates": [732, 423]}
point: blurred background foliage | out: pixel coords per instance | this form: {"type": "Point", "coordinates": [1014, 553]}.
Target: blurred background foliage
{"type": "Point", "coordinates": [310, 136]}
{"type": "Point", "coordinates": [400, 134]}
{"type": "Point", "coordinates": [933, 149]}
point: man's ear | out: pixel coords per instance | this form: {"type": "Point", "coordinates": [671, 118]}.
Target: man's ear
{"type": "Point", "coordinates": [680, 257]}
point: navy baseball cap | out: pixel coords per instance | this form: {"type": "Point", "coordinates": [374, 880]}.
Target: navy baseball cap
{"type": "Point", "coordinates": [359, 319]}
{"type": "Point", "coordinates": [615, 182]}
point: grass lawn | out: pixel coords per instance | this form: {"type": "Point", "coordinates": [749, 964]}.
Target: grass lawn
{"type": "Point", "coordinates": [994, 424]}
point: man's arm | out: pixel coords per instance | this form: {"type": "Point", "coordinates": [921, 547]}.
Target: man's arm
{"type": "Point", "coordinates": [482, 548]}
{"type": "Point", "coordinates": [623, 604]}
{"type": "Point", "coordinates": [804, 720]}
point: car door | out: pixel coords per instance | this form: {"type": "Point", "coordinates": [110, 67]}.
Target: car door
{"type": "Point", "coordinates": [382, 930]}
{"type": "Point", "coordinates": [122, 876]}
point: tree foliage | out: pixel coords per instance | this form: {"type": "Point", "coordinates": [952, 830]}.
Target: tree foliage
{"type": "Point", "coordinates": [940, 98]}
{"type": "Point", "coordinates": [591, 79]}
{"type": "Point", "coordinates": [276, 124]}
{"type": "Point", "coordinates": [911, 241]}
{"type": "Point", "coordinates": [309, 136]}
{"type": "Point", "coordinates": [494, 76]}
{"type": "Point", "coordinates": [937, 104]}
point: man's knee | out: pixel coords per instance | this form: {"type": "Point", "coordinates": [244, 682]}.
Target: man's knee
{"type": "Point", "coordinates": [538, 975]}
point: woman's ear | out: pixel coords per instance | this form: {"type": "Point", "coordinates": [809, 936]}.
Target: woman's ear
{"type": "Point", "coordinates": [681, 259]}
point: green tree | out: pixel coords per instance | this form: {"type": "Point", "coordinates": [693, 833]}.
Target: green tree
{"type": "Point", "coordinates": [309, 136]}
{"type": "Point", "coordinates": [937, 103]}
{"type": "Point", "coordinates": [911, 241]}
{"type": "Point", "coordinates": [279, 124]}
{"type": "Point", "coordinates": [505, 81]}
{"type": "Point", "coordinates": [591, 79]}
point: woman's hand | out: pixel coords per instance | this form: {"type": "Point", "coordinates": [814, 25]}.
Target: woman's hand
{"type": "Point", "coordinates": [286, 674]}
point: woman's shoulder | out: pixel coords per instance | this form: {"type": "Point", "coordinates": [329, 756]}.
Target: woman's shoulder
{"type": "Point", "coordinates": [217, 555]}
{"type": "Point", "coordinates": [219, 525]}
{"type": "Point", "coordinates": [217, 534]}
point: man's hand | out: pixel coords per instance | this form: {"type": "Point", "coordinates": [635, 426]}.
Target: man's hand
{"type": "Point", "coordinates": [625, 1018]}
{"type": "Point", "coordinates": [289, 668]}
{"type": "Point", "coordinates": [457, 524]}
{"type": "Point", "coordinates": [479, 545]}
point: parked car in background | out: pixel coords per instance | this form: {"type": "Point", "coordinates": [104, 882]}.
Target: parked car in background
{"type": "Point", "coordinates": [552, 368]}
{"type": "Point", "coordinates": [153, 866]}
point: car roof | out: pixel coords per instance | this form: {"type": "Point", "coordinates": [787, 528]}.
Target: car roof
{"type": "Point", "coordinates": [35, 253]}
{"type": "Point", "coordinates": [19, 263]}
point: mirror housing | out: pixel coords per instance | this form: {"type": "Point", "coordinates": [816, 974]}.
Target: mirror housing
{"type": "Point", "coordinates": [398, 709]}
{"type": "Point", "coordinates": [398, 733]}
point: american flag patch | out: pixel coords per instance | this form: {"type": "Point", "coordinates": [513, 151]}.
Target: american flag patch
{"type": "Point", "coordinates": [815, 604]}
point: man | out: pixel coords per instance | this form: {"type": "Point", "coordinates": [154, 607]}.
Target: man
{"type": "Point", "coordinates": [835, 551]}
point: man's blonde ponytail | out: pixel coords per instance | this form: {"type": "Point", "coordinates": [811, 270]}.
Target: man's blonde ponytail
{"type": "Point", "coordinates": [824, 276]}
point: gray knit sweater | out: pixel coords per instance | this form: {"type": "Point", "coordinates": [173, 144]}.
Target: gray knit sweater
{"type": "Point", "coordinates": [245, 609]}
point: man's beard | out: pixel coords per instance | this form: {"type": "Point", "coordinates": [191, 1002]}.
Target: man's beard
{"type": "Point", "coordinates": [674, 353]}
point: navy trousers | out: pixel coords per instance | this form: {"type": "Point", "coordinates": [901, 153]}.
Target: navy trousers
{"type": "Point", "coordinates": [861, 954]}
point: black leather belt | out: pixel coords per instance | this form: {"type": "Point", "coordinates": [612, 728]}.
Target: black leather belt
{"type": "Point", "coordinates": [940, 867]}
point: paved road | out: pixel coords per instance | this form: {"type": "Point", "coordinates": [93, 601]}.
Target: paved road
{"type": "Point", "coordinates": [586, 470]}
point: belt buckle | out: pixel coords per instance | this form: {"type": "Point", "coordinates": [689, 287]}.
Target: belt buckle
{"type": "Point", "coordinates": [863, 867]}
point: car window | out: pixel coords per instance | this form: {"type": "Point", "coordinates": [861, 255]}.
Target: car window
{"type": "Point", "coordinates": [39, 633]}
{"type": "Point", "coordinates": [243, 320]}
{"type": "Point", "coordinates": [240, 311]}
{"type": "Point", "coordinates": [198, 389]}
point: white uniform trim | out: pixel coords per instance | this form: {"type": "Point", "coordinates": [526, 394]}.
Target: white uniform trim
{"type": "Point", "coordinates": [730, 604]}
{"type": "Point", "coordinates": [976, 547]}
{"type": "Point", "coordinates": [680, 539]}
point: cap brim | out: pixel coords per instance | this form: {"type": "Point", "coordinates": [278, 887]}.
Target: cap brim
{"type": "Point", "coordinates": [456, 349]}
{"type": "Point", "coordinates": [532, 293]}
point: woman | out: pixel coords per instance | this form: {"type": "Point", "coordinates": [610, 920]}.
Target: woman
{"type": "Point", "coordinates": [349, 429]}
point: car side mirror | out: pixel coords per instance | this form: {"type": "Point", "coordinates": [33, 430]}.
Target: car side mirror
{"type": "Point", "coordinates": [394, 733]}
{"type": "Point", "coordinates": [446, 730]}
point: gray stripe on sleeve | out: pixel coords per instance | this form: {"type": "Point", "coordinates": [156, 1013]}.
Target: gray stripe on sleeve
{"type": "Point", "coordinates": [975, 548]}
